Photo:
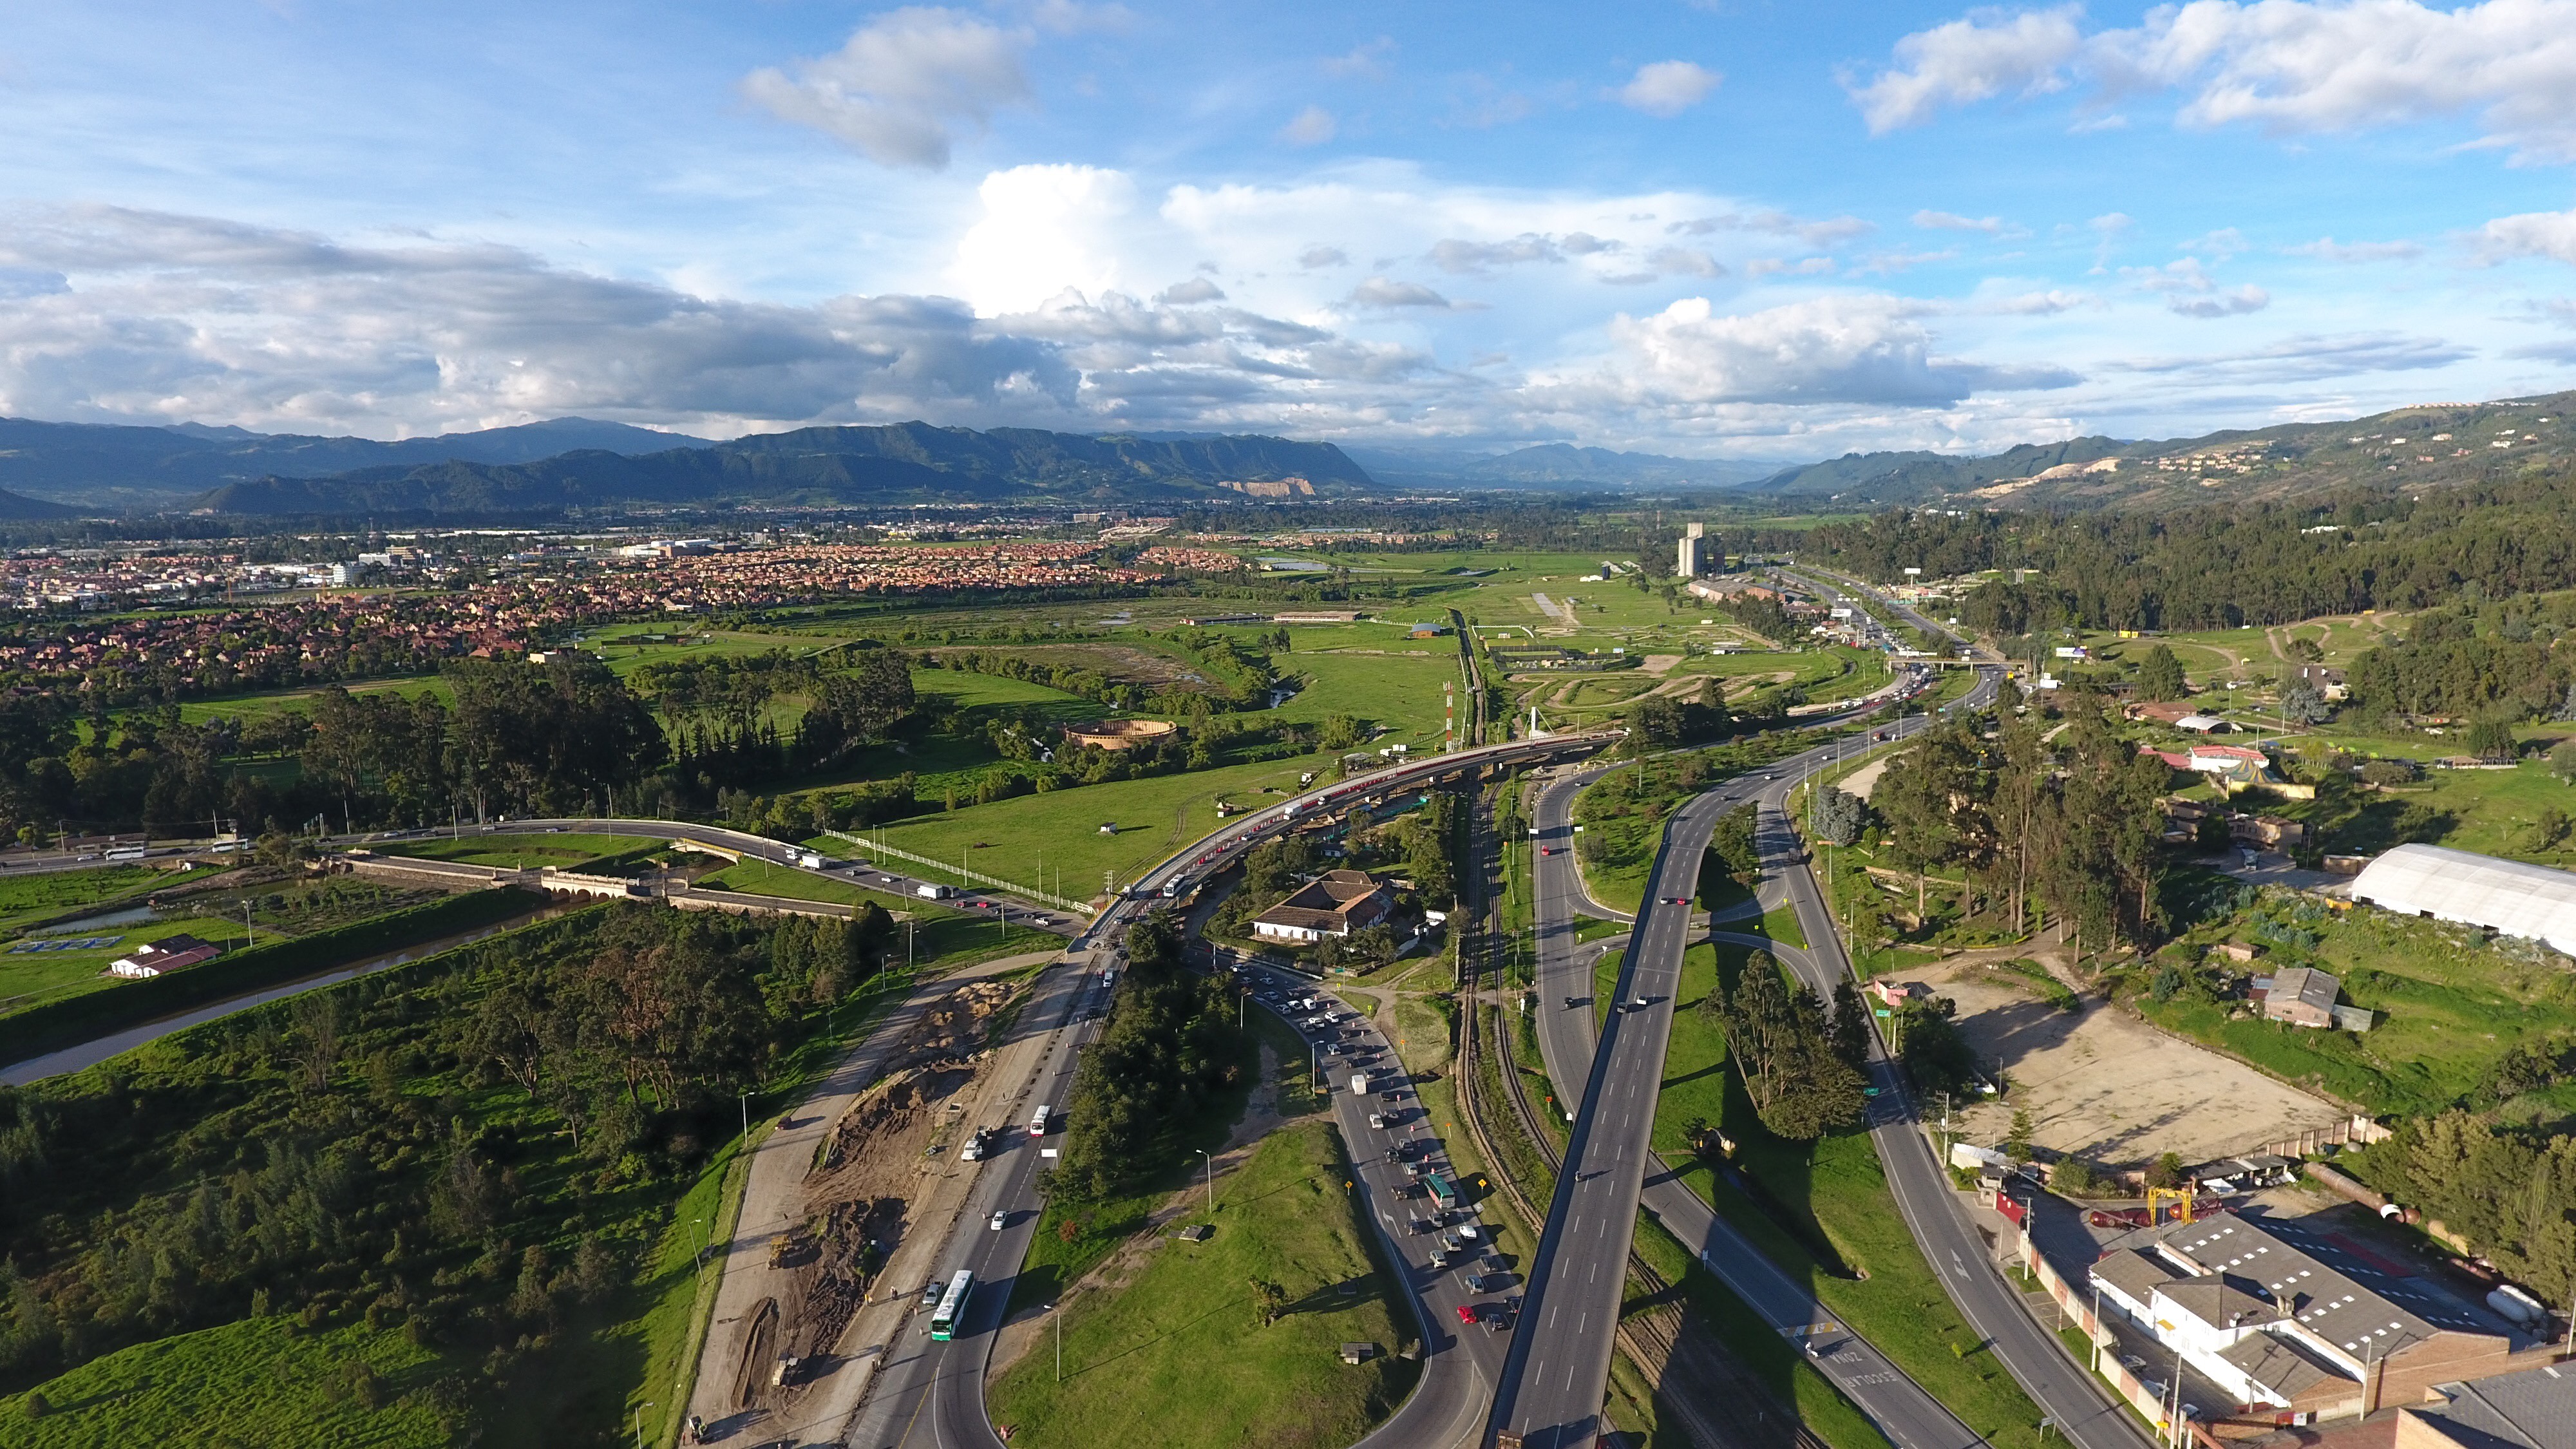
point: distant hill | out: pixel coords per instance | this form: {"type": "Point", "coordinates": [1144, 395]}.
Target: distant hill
{"type": "Point", "coordinates": [90, 464]}
{"type": "Point", "coordinates": [1557, 466]}
{"type": "Point", "coordinates": [19, 508]}
{"type": "Point", "coordinates": [903, 462]}
{"type": "Point", "coordinates": [2431, 445]}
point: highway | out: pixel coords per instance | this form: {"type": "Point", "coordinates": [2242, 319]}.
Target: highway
{"type": "Point", "coordinates": [1909, 1416]}
{"type": "Point", "coordinates": [1559, 1372]}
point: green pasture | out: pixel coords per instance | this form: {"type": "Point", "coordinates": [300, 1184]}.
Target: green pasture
{"type": "Point", "coordinates": [1061, 829]}
{"type": "Point", "coordinates": [2450, 1004]}
{"type": "Point", "coordinates": [1178, 1358]}
{"type": "Point", "coordinates": [261, 1382]}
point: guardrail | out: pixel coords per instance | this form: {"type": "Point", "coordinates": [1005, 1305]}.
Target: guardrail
{"type": "Point", "coordinates": [977, 876]}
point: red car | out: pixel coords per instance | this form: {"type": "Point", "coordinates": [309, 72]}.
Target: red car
{"type": "Point", "coordinates": [1467, 1313]}
{"type": "Point", "coordinates": [1676, 900]}
{"type": "Point", "coordinates": [1547, 850]}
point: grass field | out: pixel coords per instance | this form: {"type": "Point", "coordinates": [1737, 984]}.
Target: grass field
{"type": "Point", "coordinates": [1061, 828]}
{"type": "Point", "coordinates": [940, 938]}
{"type": "Point", "coordinates": [2451, 1004]}
{"type": "Point", "coordinates": [260, 1383]}
{"type": "Point", "coordinates": [32, 978]}
{"type": "Point", "coordinates": [1178, 1358]}
{"type": "Point", "coordinates": [27, 899]}
{"type": "Point", "coordinates": [515, 851]}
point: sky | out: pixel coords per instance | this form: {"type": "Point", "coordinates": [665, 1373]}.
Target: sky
{"type": "Point", "coordinates": [1725, 229]}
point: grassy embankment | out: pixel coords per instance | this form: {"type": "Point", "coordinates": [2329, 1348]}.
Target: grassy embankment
{"type": "Point", "coordinates": [2450, 1004]}
{"type": "Point", "coordinates": [1178, 1357]}
{"type": "Point", "coordinates": [1622, 814]}
{"type": "Point", "coordinates": [1072, 1238]}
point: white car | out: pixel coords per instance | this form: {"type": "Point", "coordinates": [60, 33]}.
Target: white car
{"type": "Point", "coordinates": [1001, 1219]}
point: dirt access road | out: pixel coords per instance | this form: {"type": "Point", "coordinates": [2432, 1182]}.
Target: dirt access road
{"type": "Point", "coordinates": [748, 1322]}
{"type": "Point", "coordinates": [2101, 1084]}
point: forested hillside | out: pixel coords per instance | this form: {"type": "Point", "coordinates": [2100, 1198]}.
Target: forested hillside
{"type": "Point", "coordinates": [2220, 566]}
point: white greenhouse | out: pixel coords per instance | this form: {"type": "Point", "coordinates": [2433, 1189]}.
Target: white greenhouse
{"type": "Point", "coordinates": [2506, 896]}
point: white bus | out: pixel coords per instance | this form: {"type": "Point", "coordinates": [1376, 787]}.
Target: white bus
{"type": "Point", "coordinates": [1038, 1123]}
{"type": "Point", "coordinates": [952, 1306]}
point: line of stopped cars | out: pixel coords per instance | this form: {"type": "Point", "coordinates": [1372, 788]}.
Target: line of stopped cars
{"type": "Point", "coordinates": [1444, 1232]}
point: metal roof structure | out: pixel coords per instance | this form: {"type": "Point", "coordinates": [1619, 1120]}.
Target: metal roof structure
{"type": "Point", "coordinates": [2507, 896]}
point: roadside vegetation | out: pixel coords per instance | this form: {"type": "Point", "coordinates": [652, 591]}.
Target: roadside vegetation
{"type": "Point", "coordinates": [1235, 1339]}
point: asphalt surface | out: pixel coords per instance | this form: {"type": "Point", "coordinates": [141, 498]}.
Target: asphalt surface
{"type": "Point", "coordinates": [931, 1393]}
{"type": "Point", "coordinates": [1554, 1386]}
{"type": "Point", "coordinates": [1909, 1416]}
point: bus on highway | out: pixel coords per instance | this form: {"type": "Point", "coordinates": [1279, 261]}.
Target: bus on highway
{"type": "Point", "coordinates": [1442, 1191]}
{"type": "Point", "coordinates": [1038, 1122]}
{"type": "Point", "coordinates": [952, 1306]}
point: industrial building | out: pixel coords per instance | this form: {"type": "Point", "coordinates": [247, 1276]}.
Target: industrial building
{"type": "Point", "coordinates": [2505, 896]}
{"type": "Point", "coordinates": [2285, 1330]}
{"type": "Point", "coordinates": [1693, 558]}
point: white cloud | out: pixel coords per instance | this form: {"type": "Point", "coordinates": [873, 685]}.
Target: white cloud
{"type": "Point", "coordinates": [2531, 234]}
{"type": "Point", "coordinates": [1460, 257]}
{"type": "Point", "coordinates": [2310, 358]}
{"type": "Point", "coordinates": [2046, 303]}
{"type": "Point", "coordinates": [1828, 232]}
{"type": "Point", "coordinates": [2330, 250]}
{"type": "Point", "coordinates": [1952, 221]}
{"type": "Point", "coordinates": [1045, 230]}
{"type": "Point", "coordinates": [1779, 266]}
{"type": "Point", "coordinates": [1312, 126]}
{"type": "Point", "coordinates": [1969, 60]}
{"type": "Point", "coordinates": [1852, 348]}
{"type": "Point", "coordinates": [2290, 66]}
{"type": "Point", "coordinates": [1190, 293]}
{"type": "Point", "coordinates": [904, 79]}
{"type": "Point", "coordinates": [1371, 61]}
{"type": "Point", "coordinates": [1382, 292]}
{"type": "Point", "coordinates": [2189, 290]}
{"type": "Point", "coordinates": [1316, 258]}
{"type": "Point", "coordinates": [2218, 245]}
{"type": "Point", "coordinates": [1668, 87]}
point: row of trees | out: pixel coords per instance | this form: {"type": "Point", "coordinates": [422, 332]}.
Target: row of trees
{"type": "Point", "coordinates": [1170, 1051]}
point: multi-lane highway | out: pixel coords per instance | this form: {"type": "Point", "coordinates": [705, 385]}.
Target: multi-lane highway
{"type": "Point", "coordinates": [1560, 1368]}
{"type": "Point", "coordinates": [1909, 1416]}
{"type": "Point", "coordinates": [1554, 1387]}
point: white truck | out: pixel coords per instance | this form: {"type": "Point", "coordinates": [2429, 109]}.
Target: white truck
{"type": "Point", "coordinates": [1359, 1084]}
{"type": "Point", "coordinates": [929, 892]}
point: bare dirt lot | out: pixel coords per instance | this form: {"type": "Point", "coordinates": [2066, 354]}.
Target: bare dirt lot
{"type": "Point", "coordinates": [2102, 1084]}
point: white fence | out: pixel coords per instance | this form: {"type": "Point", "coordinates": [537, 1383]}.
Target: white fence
{"type": "Point", "coordinates": [977, 876]}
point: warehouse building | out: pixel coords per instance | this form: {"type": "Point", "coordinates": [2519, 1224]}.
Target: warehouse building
{"type": "Point", "coordinates": [2505, 896]}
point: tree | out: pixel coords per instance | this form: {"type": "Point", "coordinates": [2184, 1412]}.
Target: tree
{"type": "Point", "coordinates": [2549, 831]}
{"type": "Point", "coordinates": [2074, 1177]}
{"type": "Point", "coordinates": [2306, 650]}
{"type": "Point", "coordinates": [1736, 846]}
{"type": "Point", "coordinates": [2492, 739]}
{"type": "Point", "coordinates": [2165, 1171]}
{"type": "Point", "coordinates": [2017, 1141]}
{"type": "Point", "coordinates": [1840, 816]}
{"type": "Point", "coordinates": [1851, 1024]}
{"type": "Point", "coordinates": [1654, 721]}
{"type": "Point", "coordinates": [2160, 675]}
{"type": "Point", "coordinates": [2302, 704]}
{"type": "Point", "coordinates": [1269, 1302]}
{"type": "Point", "coordinates": [1781, 1045]}
{"type": "Point", "coordinates": [2562, 760]}
{"type": "Point", "coordinates": [549, 737]}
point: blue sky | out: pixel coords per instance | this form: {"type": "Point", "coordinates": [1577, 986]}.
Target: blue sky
{"type": "Point", "coordinates": [1733, 229]}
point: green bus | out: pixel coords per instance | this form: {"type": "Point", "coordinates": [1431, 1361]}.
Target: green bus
{"type": "Point", "coordinates": [1442, 1190]}
{"type": "Point", "coordinates": [952, 1306]}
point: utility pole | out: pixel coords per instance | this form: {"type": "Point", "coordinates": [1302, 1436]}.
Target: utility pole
{"type": "Point", "coordinates": [1210, 1164]}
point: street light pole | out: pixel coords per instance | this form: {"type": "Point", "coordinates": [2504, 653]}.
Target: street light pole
{"type": "Point", "coordinates": [639, 1424]}
{"type": "Point", "coordinates": [1210, 1163]}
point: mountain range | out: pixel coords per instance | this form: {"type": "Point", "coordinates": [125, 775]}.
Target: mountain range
{"type": "Point", "coordinates": [2429, 445]}
{"type": "Point", "coordinates": [63, 470]}
{"type": "Point", "coordinates": [894, 464]}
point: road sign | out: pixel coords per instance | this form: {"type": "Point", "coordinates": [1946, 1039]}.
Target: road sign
{"type": "Point", "coordinates": [1883, 1012]}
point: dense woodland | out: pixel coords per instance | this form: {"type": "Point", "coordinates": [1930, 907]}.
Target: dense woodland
{"type": "Point", "coordinates": [2218, 567]}
{"type": "Point", "coordinates": [475, 1149]}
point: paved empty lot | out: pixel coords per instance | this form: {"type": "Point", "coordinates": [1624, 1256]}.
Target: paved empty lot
{"type": "Point", "coordinates": [2104, 1085]}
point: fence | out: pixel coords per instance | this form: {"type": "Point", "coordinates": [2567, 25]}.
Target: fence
{"type": "Point", "coordinates": [2354, 1129]}
{"type": "Point", "coordinates": [977, 876]}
